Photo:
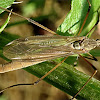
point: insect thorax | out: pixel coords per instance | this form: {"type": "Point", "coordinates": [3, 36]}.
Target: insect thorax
{"type": "Point", "coordinates": [86, 44]}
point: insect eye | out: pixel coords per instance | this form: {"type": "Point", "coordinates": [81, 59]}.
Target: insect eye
{"type": "Point", "coordinates": [76, 45]}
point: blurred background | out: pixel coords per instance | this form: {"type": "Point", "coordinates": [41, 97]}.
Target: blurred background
{"type": "Point", "coordinates": [51, 14]}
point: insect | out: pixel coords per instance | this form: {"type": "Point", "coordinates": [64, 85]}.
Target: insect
{"type": "Point", "coordinates": [38, 49]}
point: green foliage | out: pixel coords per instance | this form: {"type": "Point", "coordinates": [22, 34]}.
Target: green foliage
{"type": "Point", "coordinates": [5, 24]}
{"type": "Point", "coordinates": [32, 6]}
{"type": "Point", "coordinates": [5, 4]}
{"type": "Point", "coordinates": [75, 18]}
{"type": "Point", "coordinates": [65, 77]}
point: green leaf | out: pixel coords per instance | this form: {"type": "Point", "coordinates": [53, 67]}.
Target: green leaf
{"type": "Point", "coordinates": [5, 24]}
{"type": "Point", "coordinates": [75, 18]}
{"type": "Point", "coordinates": [68, 79]}
{"type": "Point", "coordinates": [5, 4]}
{"type": "Point", "coordinates": [65, 77]}
{"type": "Point", "coordinates": [32, 6]}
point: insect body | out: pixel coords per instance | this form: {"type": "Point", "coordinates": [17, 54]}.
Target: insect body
{"type": "Point", "coordinates": [36, 49]}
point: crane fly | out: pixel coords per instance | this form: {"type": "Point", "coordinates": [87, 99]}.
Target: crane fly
{"type": "Point", "coordinates": [32, 50]}
{"type": "Point", "coordinates": [37, 49]}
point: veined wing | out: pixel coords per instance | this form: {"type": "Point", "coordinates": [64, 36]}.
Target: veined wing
{"type": "Point", "coordinates": [36, 48]}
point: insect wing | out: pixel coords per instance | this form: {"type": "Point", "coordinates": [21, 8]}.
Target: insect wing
{"type": "Point", "coordinates": [36, 49]}
{"type": "Point", "coordinates": [39, 48]}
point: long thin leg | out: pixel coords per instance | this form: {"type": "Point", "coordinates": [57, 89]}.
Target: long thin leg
{"type": "Point", "coordinates": [85, 18]}
{"type": "Point", "coordinates": [95, 71]}
{"type": "Point", "coordinates": [93, 58]}
{"type": "Point", "coordinates": [95, 24]}
{"type": "Point", "coordinates": [90, 31]}
{"type": "Point", "coordinates": [30, 20]}
{"type": "Point", "coordinates": [37, 81]}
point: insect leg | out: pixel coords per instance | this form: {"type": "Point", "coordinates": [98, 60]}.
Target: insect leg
{"type": "Point", "coordinates": [30, 20]}
{"type": "Point", "coordinates": [37, 81]}
{"type": "Point", "coordinates": [90, 31]}
{"type": "Point", "coordinates": [95, 71]}
{"type": "Point", "coordinates": [93, 58]}
{"type": "Point", "coordinates": [95, 24]}
{"type": "Point", "coordinates": [51, 70]}
{"type": "Point", "coordinates": [85, 18]}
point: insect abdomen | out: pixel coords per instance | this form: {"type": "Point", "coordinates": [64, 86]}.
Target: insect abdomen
{"type": "Point", "coordinates": [15, 65]}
